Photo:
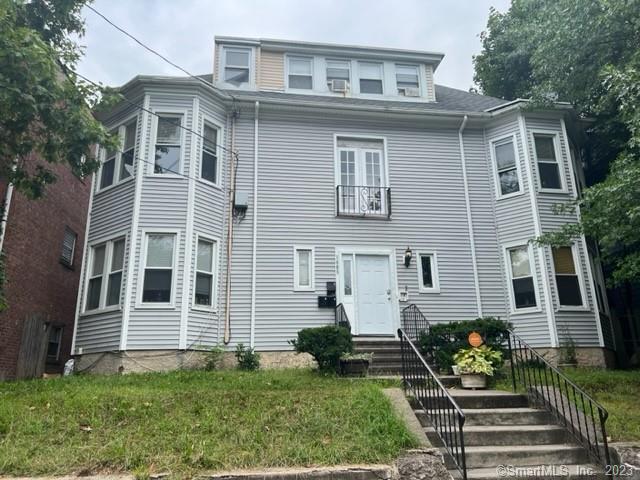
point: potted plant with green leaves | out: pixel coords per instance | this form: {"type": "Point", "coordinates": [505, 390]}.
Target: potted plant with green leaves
{"type": "Point", "coordinates": [355, 364]}
{"type": "Point", "coordinates": [475, 364]}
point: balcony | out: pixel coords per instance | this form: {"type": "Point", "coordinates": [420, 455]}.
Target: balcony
{"type": "Point", "coordinates": [363, 201]}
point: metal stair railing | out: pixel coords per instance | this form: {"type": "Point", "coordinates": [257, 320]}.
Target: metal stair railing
{"type": "Point", "coordinates": [414, 322]}
{"type": "Point", "coordinates": [549, 388]}
{"type": "Point", "coordinates": [444, 414]}
{"type": "Point", "coordinates": [341, 318]}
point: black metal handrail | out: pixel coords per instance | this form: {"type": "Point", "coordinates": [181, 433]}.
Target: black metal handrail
{"type": "Point", "coordinates": [363, 201]}
{"type": "Point", "coordinates": [440, 408]}
{"type": "Point", "coordinates": [341, 318]}
{"type": "Point", "coordinates": [414, 322]}
{"type": "Point", "coordinates": [549, 388]}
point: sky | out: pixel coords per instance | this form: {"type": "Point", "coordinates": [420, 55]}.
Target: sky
{"type": "Point", "coordinates": [183, 31]}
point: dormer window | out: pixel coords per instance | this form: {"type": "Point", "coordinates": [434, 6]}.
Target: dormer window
{"type": "Point", "coordinates": [370, 77]}
{"type": "Point", "coordinates": [236, 65]}
{"type": "Point", "coordinates": [337, 70]}
{"type": "Point", "coordinates": [407, 80]}
{"type": "Point", "coordinates": [301, 73]}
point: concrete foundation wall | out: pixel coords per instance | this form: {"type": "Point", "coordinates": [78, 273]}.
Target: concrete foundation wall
{"type": "Point", "coordinates": [586, 356]}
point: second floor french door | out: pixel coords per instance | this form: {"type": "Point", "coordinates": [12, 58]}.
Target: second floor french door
{"type": "Point", "coordinates": [362, 183]}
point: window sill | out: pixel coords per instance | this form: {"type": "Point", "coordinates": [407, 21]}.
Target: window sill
{"type": "Point", "coordinates": [562, 309]}
{"type": "Point", "coordinates": [217, 186]}
{"type": "Point", "coordinates": [199, 308]}
{"type": "Point", "coordinates": [165, 175]}
{"type": "Point", "coordinates": [510, 195]}
{"type": "Point", "coordinates": [100, 311]}
{"type": "Point", "coordinates": [115, 185]}
{"type": "Point", "coordinates": [429, 290]}
{"type": "Point", "coordinates": [307, 290]}
{"type": "Point", "coordinates": [553, 191]}
{"type": "Point", "coordinates": [524, 311]}
{"type": "Point", "coordinates": [155, 306]}
{"type": "Point", "coordinates": [67, 265]}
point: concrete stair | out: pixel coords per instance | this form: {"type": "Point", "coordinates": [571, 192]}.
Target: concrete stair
{"type": "Point", "coordinates": [502, 431]}
{"type": "Point", "coordinates": [387, 355]}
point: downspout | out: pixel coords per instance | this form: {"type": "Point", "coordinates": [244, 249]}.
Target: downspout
{"type": "Point", "coordinates": [472, 241]}
{"type": "Point", "coordinates": [255, 226]}
{"type": "Point", "coordinates": [232, 196]}
{"type": "Point", "coordinates": [5, 213]}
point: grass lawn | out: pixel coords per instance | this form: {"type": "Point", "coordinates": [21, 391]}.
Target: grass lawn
{"type": "Point", "coordinates": [187, 422]}
{"type": "Point", "coordinates": [617, 390]}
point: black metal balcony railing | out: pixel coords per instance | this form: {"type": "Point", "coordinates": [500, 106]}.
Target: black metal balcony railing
{"type": "Point", "coordinates": [363, 201]}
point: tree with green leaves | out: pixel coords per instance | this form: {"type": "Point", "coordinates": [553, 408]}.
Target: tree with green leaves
{"type": "Point", "coordinates": [45, 111]}
{"type": "Point", "coordinates": [586, 53]}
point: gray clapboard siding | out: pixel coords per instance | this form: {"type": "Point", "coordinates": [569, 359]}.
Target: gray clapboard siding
{"type": "Point", "coordinates": [99, 332]}
{"type": "Point", "coordinates": [297, 207]}
{"type": "Point", "coordinates": [514, 222]}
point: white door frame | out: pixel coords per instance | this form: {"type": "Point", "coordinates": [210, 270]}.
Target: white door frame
{"type": "Point", "coordinates": [389, 252]}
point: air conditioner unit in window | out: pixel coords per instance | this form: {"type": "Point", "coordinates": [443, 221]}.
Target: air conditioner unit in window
{"type": "Point", "coordinates": [411, 92]}
{"type": "Point", "coordinates": [339, 86]}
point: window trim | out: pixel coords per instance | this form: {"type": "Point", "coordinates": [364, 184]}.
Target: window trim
{"type": "Point", "coordinates": [434, 271]}
{"type": "Point", "coordinates": [108, 241]}
{"type": "Point", "coordinates": [223, 65]}
{"type": "Point", "coordinates": [312, 283]}
{"type": "Point", "coordinates": [171, 305]}
{"type": "Point", "coordinates": [214, 273]}
{"type": "Point", "coordinates": [494, 164]}
{"type": "Point", "coordinates": [207, 119]}
{"type": "Point", "coordinates": [311, 60]}
{"type": "Point", "coordinates": [102, 153]}
{"type": "Point", "coordinates": [150, 167]}
{"type": "Point", "coordinates": [580, 274]}
{"type": "Point", "coordinates": [418, 75]}
{"type": "Point", "coordinates": [69, 264]}
{"type": "Point", "coordinates": [509, 274]}
{"type": "Point", "coordinates": [55, 359]}
{"type": "Point", "coordinates": [559, 160]}
{"type": "Point", "coordinates": [382, 78]}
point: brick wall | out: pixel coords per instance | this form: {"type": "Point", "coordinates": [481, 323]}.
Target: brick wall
{"type": "Point", "coordinates": [36, 282]}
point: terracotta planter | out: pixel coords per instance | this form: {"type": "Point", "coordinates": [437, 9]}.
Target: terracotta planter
{"type": "Point", "coordinates": [354, 368]}
{"type": "Point", "coordinates": [473, 380]}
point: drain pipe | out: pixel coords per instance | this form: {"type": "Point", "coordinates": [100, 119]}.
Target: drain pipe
{"type": "Point", "coordinates": [467, 202]}
{"type": "Point", "coordinates": [252, 328]}
{"type": "Point", "coordinates": [231, 200]}
{"type": "Point", "coordinates": [5, 213]}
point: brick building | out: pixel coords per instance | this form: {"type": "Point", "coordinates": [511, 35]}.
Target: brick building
{"type": "Point", "coordinates": [42, 248]}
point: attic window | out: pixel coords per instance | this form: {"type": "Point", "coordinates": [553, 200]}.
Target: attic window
{"type": "Point", "coordinates": [236, 66]}
{"type": "Point", "coordinates": [300, 73]}
{"type": "Point", "coordinates": [407, 79]}
{"type": "Point", "coordinates": [370, 77]}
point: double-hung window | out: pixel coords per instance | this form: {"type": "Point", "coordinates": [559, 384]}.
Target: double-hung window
{"type": "Point", "coordinates": [168, 144]}
{"type": "Point", "coordinates": [158, 272]}
{"type": "Point", "coordinates": [236, 66]}
{"type": "Point", "coordinates": [506, 165]}
{"type": "Point", "coordinates": [337, 70]}
{"type": "Point", "coordinates": [205, 273]}
{"type": "Point", "coordinates": [108, 170]}
{"type": "Point", "coordinates": [301, 73]}
{"type": "Point", "coordinates": [105, 274]}
{"type": "Point", "coordinates": [209, 167]}
{"type": "Point", "coordinates": [68, 247]}
{"type": "Point", "coordinates": [407, 80]}
{"type": "Point", "coordinates": [428, 273]}
{"type": "Point", "coordinates": [303, 269]}
{"type": "Point", "coordinates": [128, 150]}
{"type": "Point", "coordinates": [118, 164]}
{"type": "Point", "coordinates": [567, 280]}
{"type": "Point", "coordinates": [547, 159]}
{"type": "Point", "coordinates": [522, 279]}
{"type": "Point", "coordinates": [370, 77]}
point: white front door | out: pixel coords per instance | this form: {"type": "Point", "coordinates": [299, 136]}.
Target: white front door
{"type": "Point", "coordinates": [373, 295]}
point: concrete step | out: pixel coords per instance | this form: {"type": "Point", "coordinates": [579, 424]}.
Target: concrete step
{"type": "Point", "coordinates": [480, 435]}
{"type": "Point", "coordinates": [535, 472]}
{"type": "Point", "coordinates": [520, 455]}
{"type": "Point", "coordinates": [498, 416]}
{"type": "Point", "coordinates": [488, 399]}
{"type": "Point", "coordinates": [383, 356]}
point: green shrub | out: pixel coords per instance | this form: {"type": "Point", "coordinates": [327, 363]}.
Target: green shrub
{"type": "Point", "coordinates": [442, 341]}
{"type": "Point", "coordinates": [324, 344]}
{"type": "Point", "coordinates": [248, 358]}
{"type": "Point", "coordinates": [213, 358]}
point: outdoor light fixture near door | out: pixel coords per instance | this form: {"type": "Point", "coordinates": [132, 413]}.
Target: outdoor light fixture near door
{"type": "Point", "coordinates": [407, 257]}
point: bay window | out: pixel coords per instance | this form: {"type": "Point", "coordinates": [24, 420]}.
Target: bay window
{"type": "Point", "coordinates": [504, 153]}
{"type": "Point", "coordinates": [567, 280]}
{"type": "Point", "coordinates": [106, 263]}
{"type": "Point", "coordinates": [209, 166]}
{"type": "Point", "coordinates": [205, 273]}
{"type": "Point", "coordinates": [547, 160]}
{"type": "Point", "coordinates": [168, 144]}
{"type": "Point", "coordinates": [521, 276]}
